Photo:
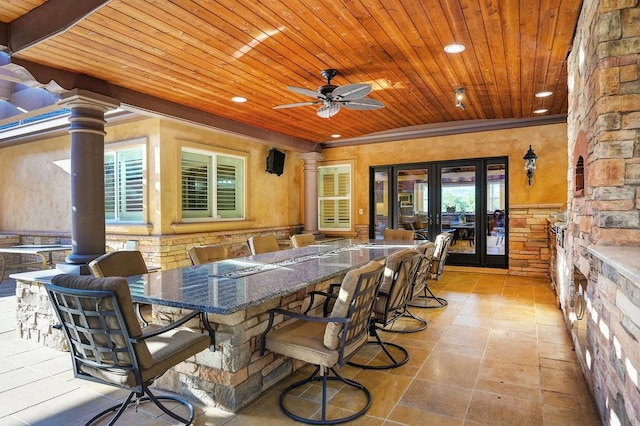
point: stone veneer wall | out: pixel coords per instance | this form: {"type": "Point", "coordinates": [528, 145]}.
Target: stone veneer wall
{"type": "Point", "coordinates": [529, 239]}
{"type": "Point", "coordinates": [164, 251]}
{"type": "Point", "coordinates": [604, 128]}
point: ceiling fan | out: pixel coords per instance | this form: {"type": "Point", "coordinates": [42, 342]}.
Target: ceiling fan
{"type": "Point", "coordinates": [331, 97]}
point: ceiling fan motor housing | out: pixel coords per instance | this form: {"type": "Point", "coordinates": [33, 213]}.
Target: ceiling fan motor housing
{"type": "Point", "coordinates": [326, 89]}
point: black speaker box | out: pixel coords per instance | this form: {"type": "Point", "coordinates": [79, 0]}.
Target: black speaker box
{"type": "Point", "coordinates": [275, 162]}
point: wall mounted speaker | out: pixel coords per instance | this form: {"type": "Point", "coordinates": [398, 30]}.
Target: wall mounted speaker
{"type": "Point", "coordinates": [275, 162]}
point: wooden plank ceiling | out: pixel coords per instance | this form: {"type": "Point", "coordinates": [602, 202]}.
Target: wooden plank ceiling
{"type": "Point", "coordinates": [201, 53]}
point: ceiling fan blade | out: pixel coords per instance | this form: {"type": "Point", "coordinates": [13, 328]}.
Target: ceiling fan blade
{"type": "Point", "coordinates": [328, 110]}
{"type": "Point", "coordinates": [297, 104]}
{"type": "Point", "coordinates": [306, 92]}
{"type": "Point", "coordinates": [363, 104]}
{"type": "Point", "coordinates": [350, 92]}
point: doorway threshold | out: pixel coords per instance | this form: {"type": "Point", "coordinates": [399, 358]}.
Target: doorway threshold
{"type": "Point", "coordinates": [495, 271]}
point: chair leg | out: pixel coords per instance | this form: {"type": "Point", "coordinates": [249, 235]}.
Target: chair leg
{"type": "Point", "coordinates": [392, 361]}
{"type": "Point", "coordinates": [150, 397]}
{"type": "Point", "coordinates": [322, 374]}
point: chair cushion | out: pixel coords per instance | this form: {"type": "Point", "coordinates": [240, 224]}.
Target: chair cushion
{"type": "Point", "coordinates": [340, 309]}
{"type": "Point", "coordinates": [265, 244]}
{"type": "Point", "coordinates": [391, 266]}
{"type": "Point", "coordinates": [303, 340]}
{"type": "Point", "coordinates": [208, 254]}
{"type": "Point", "coordinates": [398, 234]}
{"type": "Point", "coordinates": [118, 264]}
{"type": "Point", "coordinates": [301, 240]}
{"type": "Point", "coordinates": [167, 350]}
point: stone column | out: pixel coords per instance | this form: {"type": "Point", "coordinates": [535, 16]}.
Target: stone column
{"type": "Point", "coordinates": [87, 176]}
{"type": "Point", "coordinates": [311, 190]}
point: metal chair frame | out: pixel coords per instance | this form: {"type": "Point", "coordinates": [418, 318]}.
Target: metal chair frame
{"type": "Point", "coordinates": [363, 300]}
{"type": "Point", "coordinates": [399, 290]}
{"type": "Point", "coordinates": [70, 307]}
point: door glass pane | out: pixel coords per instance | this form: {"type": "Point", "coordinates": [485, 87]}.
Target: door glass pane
{"type": "Point", "coordinates": [413, 201]}
{"type": "Point", "coordinates": [495, 214]}
{"type": "Point", "coordinates": [458, 207]}
{"type": "Point", "coordinates": [381, 203]}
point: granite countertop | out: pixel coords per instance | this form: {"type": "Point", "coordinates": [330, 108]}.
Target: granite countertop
{"type": "Point", "coordinates": [625, 259]}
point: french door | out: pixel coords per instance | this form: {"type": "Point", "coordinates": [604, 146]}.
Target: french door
{"type": "Point", "coordinates": [467, 198]}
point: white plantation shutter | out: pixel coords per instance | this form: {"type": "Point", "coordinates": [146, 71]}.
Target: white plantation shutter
{"type": "Point", "coordinates": [124, 185]}
{"type": "Point", "coordinates": [196, 184]}
{"type": "Point", "coordinates": [334, 199]}
{"type": "Point", "coordinates": [212, 185]}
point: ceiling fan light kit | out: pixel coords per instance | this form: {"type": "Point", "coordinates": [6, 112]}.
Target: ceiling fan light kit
{"type": "Point", "coordinates": [331, 97]}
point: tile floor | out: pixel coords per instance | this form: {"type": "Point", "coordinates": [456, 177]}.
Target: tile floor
{"type": "Point", "coordinates": [498, 354]}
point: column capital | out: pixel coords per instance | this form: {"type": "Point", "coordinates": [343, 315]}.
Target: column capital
{"type": "Point", "coordinates": [311, 157]}
{"type": "Point", "coordinates": [79, 98]}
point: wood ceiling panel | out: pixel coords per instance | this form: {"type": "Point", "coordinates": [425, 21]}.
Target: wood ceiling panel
{"type": "Point", "coordinates": [200, 53]}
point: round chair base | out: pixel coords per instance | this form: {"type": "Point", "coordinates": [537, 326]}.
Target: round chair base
{"type": "Point", "coordinates": [418, 324]}
{"type": "Point", "coordinates": [324, 378]}
{"type": "Point", "coordinates": [428, 302]}
{"type": "Point", "coordinates": [393, 363]}
{"type": "Point", "coordinates": [155, 399]}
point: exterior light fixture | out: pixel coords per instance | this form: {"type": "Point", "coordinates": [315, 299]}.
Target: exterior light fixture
{"type": "Point", "coordinates": [530, 163]}
{"type": "Point", "coordinates": [459, 91]}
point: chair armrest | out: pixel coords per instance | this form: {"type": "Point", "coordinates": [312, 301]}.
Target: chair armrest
{"type": "Point", "coordinates": [330, 295]}
{"type": "Point", "coordinates": [173, 325]}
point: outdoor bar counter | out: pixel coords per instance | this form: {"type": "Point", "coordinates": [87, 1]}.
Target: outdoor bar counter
{"type": "Point", "coordinates": [235, 294]}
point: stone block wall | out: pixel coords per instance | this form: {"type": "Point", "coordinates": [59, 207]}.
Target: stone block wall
{"type": "Point", "coordinates": [529, 251]}
{"type": "Point", "coordinates": [604, 129]}
{"type": "Point", "coordinates": [235, 374]}
{"type": "Point", "coordinates": [613, 337]}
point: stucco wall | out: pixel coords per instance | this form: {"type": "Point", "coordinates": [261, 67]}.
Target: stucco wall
{"type": "Point", "coordinates": [549, 142]}
{"type": "Point", "coordinates": [35, 194]}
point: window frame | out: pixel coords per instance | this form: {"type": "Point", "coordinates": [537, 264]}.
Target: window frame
{"type": "Point", "coordinates": [338, 197]}
{"type": "Point", "coordinates": [212, 154]}
{"type": "Point", "coordinates": [118, 214]}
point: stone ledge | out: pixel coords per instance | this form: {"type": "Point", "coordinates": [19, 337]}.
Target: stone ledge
{"type": "Point", "coordinates": [625, 259]}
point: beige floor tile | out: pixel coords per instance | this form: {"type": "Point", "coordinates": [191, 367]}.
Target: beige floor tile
{"type": "Point", "coordinates": [413, 416]}
{"type": "Point", "coordinates": [496, 409]}
{"type": "Point", "coordinates": [450, 369]}
{"type": "Point", "coordinates": [448, 400]}
{"type": "Point", "coordinates": [510, 373]}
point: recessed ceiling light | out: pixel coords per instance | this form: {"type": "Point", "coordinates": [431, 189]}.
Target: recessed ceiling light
{"type": "Point", "coordinates": [543, 94]}
{"type": "Point", "coordinates": [540, 111]}
{"type": "Point", "coordinates": [336, 136]}
{"type": "Point", "coordinates": [454, 48]}
{"type": "Point", "coordinates": [239, 99]}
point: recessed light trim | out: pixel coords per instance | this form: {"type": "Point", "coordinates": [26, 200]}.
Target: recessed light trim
{"type": "Point", "coordinates": [454, 48]}
{"type": "Point", "coordinates": [336, 136]}
{"type": "Point", "coordinates": [540, 111]}
{"type": "Point", "coordinates": [239, 99]}
{"type": "Point", "coordinates": [544, 94]}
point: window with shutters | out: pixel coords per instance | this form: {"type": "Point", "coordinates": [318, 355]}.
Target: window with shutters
{"type": "Point", "coordinates": [213, 185]}
{"type": "Point", "coordinates": [334, 198]}
{"type": "Point", "coordinates": [124, 171]}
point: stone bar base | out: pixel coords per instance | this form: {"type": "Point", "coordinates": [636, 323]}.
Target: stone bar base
{"type": "Point", "coordinates": [235, 374]}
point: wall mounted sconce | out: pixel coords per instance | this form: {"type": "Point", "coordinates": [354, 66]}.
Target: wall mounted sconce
{"type": "Point", "coordinates": [459, 91]}
{"type": "Point", "coordinates": [530, 163]}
